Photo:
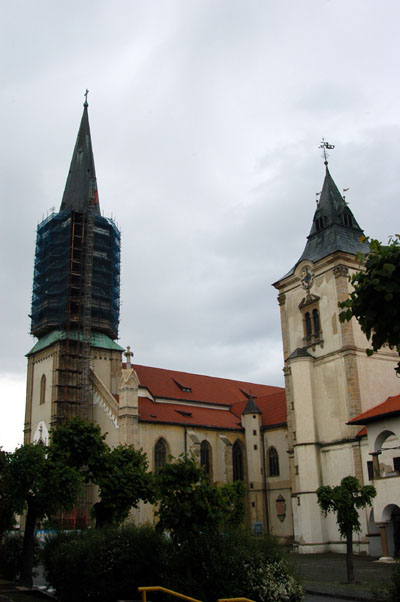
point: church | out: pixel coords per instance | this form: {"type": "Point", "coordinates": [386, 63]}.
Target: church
{"type": "Point", "coordinates": [330, 420]}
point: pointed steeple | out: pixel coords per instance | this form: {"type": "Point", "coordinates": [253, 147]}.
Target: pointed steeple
{"type": "Point", "coordinates": [251, 407]}
{"type": "Point", "coordinates": [81, 187]}
{"type": "Point", "coordinates": [334, 226]}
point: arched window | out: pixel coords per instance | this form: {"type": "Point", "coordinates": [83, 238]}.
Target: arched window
{"type": "Point", "coordinates": [42, 389]}
{"type": "Point", "coordinates": [205, 457]}
{"type": "Point", "coordinates": [315, 317]}
{"type": "Point", "coordinates": [309, 308]}
{"type": "Point", "coordinates": [237, 461]}
{"type": "Point", "coordinates": [273, 462]}
{"type": "Point", "coordinates": [160, 453]}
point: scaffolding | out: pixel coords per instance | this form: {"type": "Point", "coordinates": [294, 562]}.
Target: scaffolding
{"type": "Point", "coordinates": [76, 289]}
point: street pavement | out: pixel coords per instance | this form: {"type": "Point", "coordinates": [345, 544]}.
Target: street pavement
{"type": "Point", "coordinates": [325, 575]}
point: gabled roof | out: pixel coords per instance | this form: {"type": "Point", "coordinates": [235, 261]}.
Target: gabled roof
{"type": "Point", "coordinates": [177, 413]}
{"type": "Point", "coordinates": [172, 384]}
{"type": "Point", "coordinates": [334, 227]}
{"type": "Point", "coordinates": [273, 409]}
{"type": "Point", "coordinates": [81, 186]}
{"type": "Point", "coordinates": [389, 408]}
{"type": "Point", "coordinates": [185, 399]}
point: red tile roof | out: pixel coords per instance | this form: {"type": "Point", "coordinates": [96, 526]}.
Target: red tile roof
{"type": "Point", "coordinates": [171, 384]}
{"type": "Point", "coordinates": [198, 389]}
{"type": "Point", "coordinates": [178, 413]}
{"type": "Point", "coordinates": [390, 407]}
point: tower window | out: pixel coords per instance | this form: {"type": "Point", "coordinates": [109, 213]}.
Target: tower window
{"type": "Point", "coordinates": [273, 462]}
{"type": "Point", "coordinates": [308, 327]}
{"type": "Point", "coordinates": [42, 390]}
{"type": "Point", "coordinates": [309, 308]}
{"type": "Point", "coordinates": [347, 220]}
{"type": "Point", "coordinates": [315, 316]}
{"type": "Point", "coordinates": [237, 461]}
{"type": "Point", "coordinates": [160, 453]}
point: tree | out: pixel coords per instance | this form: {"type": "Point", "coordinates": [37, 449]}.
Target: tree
{"type": "Point", "coordinates": [190, 504]}
{"type": "Point", "coordinates": [123, 481]}
{"type": "Point", "coordinates": [374, 302]}
{"type": "Point", "coordinates": [41, 484]}
{"type": "Point", "coordinates": [46, 480]}
{"type": "Point", "coordinates": [120, 473]}
{"type": "Point", "coordinates": [6, 506]}
{"type": "Point", "coordinates": [344, 500]}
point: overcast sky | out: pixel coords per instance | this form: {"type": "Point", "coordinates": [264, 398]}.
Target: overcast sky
{"type": "Point", "coordinates": [206, 117]}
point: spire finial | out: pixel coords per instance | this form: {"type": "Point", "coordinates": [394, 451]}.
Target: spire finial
{"type": "Point", "coordinates": [85, 104]}
{"type": "Point", "coordinates": [325, 146]}
{"type": "Point", "coordinates": [128, 353]}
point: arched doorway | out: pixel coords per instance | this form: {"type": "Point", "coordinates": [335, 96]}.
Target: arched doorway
{"type": "Point", "coordinates": [391, 515]}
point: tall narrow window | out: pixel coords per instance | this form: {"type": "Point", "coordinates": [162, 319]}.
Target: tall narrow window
{"type": "Point", "coordinates": [315, 317]}
{"type": "Point", "coordinates": [43, 390]}
{"type": "Point", "coordinates": [307, 319]}
{"type": "Point", "coordinates": [237, 461]}
{"type": "Point", "coordinates": [160, 454]}
{"type": "Point", "coordinates": [273, 462]}
{"type": "Point", "coordinates": [205, 457]}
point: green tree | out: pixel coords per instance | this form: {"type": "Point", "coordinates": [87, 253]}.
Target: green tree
{"type": "Point", "coordinates": [374, 302]}
{"type": "Point", "coordinates": [344, 500]}
{"type": "Point", "coordinates": [123, 481]}
{"type": "Point", "coordinates": [80, 444]}
{"type": "Point", "coordinates": [46, 480]}
{"type": "Point", "coordinates": [189, 504]}
{"type": "Point", "coordinates": [41, 484]}
{"type": "Point", "coordinates": [120, 473]}
{"type": "Point", "coordinates": [6, 505]}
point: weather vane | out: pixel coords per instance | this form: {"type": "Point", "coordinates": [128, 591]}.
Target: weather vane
{"type": "Point", "coordinates": [85, 95]}
{"type": "Point", "coordinates": [325, 146]}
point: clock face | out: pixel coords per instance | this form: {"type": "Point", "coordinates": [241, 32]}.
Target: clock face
{"type": "Point", "coordinates": [307, 278]}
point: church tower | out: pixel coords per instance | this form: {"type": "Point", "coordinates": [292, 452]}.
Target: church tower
{"type": "Point", "coordinates": [328, 377]}
{"type": "Point", "coordinates": [75, 301]}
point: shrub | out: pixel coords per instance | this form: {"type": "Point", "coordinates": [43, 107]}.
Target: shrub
{"type": "Point", "coordinates": [232, 564]}
{"type": "Point", "coordinates": [104, 564]}
{"type": "Point", "coordinates": [11, 555]}
{"type": "Point", "coordinates": [108, 564]}
{"type": "Point", "coordinates": [272, 582]}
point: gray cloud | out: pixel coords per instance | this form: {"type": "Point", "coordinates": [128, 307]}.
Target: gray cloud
{"type": "Point", "coordinates": [206, 119]}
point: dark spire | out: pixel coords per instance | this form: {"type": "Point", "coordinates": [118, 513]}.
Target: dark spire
{"type": "Point", "coordinates": [81, 184]}
{"type": "Point", "coordinates": [251, 407]}
{"type": "Point", "coordinates": [334, 226]}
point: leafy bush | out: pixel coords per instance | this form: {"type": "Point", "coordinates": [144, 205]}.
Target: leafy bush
{"type": "Point", "coordinates": [11, 555]}
{"type": "Point", "coordinates": [232, 564]}
{"type": "Point", "coordinates": [108, 564]}
{"type": "Point", "coordinates": [104, 564]}
{"type": "Point", "coordinates": [272, 582]}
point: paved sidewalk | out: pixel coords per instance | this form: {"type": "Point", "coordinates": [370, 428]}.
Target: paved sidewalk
{"type": "Point", "coordinates": [325, 574]}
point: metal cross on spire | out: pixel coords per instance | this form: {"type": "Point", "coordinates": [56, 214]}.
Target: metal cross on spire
{"type": "Point", "coordinates": [325, 146]}
{"type": "Point", "coordinates": [85, 95]}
